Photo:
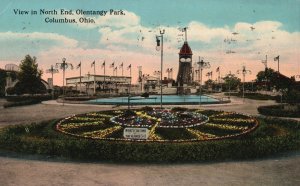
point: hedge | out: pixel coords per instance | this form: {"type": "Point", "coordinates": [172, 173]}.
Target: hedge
{"type": "Point", "coordinates": [277, 110]}
{"type": "Point", "coordinates": [14, 101]}
{"type": "Point", "coordinates": [256, 96]}
{"type": "Point", "coordinates": [28, 97]}
{"type": "Point", "coordinates": [42, 139]}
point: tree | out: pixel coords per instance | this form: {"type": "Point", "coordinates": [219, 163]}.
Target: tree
{"type": "Point", "coordinates": [267, 74]}
{"type": "Point", "coordinates": [29, 77]}
{"type": "Point", "coordinates": [264, 78]}
{"type": "Point", "coordinates": [231, 82]}
{"type": "Point", "coordinates": [270, 78]}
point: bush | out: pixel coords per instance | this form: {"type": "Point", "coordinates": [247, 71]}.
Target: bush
{"type": "Point", "coordinates": [43, 139]}
{"type": "Point", "coordinates": [14, 101]}
{"type": "Point", "coordinates": [277, 110]}
{"type": "Point", "coordinates": [21, 103]}
{"type": "Point", "coordinates": [256, 96]}
{"type": "Point", "coordinates": [28, 97]}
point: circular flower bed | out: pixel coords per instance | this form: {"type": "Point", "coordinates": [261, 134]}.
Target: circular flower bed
{"type": "Point", "coordinates": [163, 125]}
{"type": "Point", "coordinates": [272, 136]}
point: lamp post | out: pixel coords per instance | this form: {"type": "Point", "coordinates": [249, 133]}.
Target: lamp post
{"type": "Point", "coordinates": [129, 89]}
{"type": "Point", "coordinates": [103, 66]}
{"type": "Point", "coordinates": [52, 70]}
{"type": "Point", "coordinates": [64, 66]}
{"type": "Point", "coordinates": [94, 65]}
{"type": "Point", "coordinates": [79, 66]}
{"type": "Point", "coordinates": [202, 65]}
{"type": "Point", "coordinates": [244, 72]}
{"type": "Point", "coordinates": [161, 48]}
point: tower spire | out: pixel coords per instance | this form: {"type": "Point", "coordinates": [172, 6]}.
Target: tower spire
{"type": "Point", "coordinates": [185, 33]}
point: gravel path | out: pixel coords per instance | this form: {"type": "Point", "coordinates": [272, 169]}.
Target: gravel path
{"type": "Point", "coordinates": [32, 170]}
{"type": "Point", "coordinates": [275, 171]}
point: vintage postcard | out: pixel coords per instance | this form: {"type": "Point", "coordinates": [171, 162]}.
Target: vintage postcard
{"type": "Point", "coordinates": [169, 92]}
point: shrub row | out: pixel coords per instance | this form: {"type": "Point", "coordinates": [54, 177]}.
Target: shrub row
{"type": "Point", "coordinates": [21, 103]}
{"type": "Point", "coordinates": [42, 139]}
{"type": "Point", "coordinates": [256, 96]}
{"type": "Point", "coordinates": [28, 97]}
{"type": "Point", "coordinates": [14, 101]}
{"type": "Point", "coordinates": [277, 110]}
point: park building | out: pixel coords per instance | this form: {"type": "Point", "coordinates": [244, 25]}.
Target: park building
{"type": "Point", "coordinates": [103, 84]}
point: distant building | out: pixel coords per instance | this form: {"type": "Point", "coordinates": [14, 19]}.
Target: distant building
{"type": "Point", "coordinates": [104, 84]}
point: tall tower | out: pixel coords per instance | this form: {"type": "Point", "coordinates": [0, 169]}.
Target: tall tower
{"type": "Point", "coordinates": [184, 76]}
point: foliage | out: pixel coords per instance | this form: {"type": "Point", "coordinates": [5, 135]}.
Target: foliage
{"type": "Point", "coordinates": [277, 110]}
{"type": "Point", "coordinates": [21, 103]}
{"type": "Point", "coordinates": [272, 137]}
{"type": "Point", "coordinates": [29, 77]}
{"type": "Point", "coordinates": [292, 97]}
{"type": "Point", "coordinates": [231, 82]}
{"type": "Point", "coordinates": [28, 97]}
{"type": "Point", "coordinates": [274, 79]}
{"type": "Point", "coordinates": [256, 96]}
{"type": "Point", "coordinates": [14, 101]}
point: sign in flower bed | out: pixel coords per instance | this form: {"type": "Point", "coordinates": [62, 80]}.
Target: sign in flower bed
{"type": "Point", "coordinates": [162, 125]}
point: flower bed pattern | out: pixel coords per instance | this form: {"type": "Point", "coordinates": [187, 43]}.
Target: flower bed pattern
{"type": "Point", "coordinates": [163, 125]}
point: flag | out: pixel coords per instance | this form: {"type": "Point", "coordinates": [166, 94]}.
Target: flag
{"type": "Point", "coordinates": [168, 70]}
{"type": "Point", "coordinates": [103, 64]}
{"type": "Point", "coordinates": [116, 68]}
{"type": "Point", "coordinates": [171, 70]}
{"type": "Point", "coordinates": [218, 69]}
{"type": "Point", "coordinates": [121, 66]}
{"type": "Point", "coordinates": [112, 65]}
{"type": "Point", "coordinates": [129, 67]}
{"type": "Point", "coordinates": [79, 65]}
{"type": "Point", "coordinates": [276, 58]}
{"type": "Point", "coordinates": [93, 64]}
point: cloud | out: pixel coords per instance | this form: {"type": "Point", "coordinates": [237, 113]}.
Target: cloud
{"type": "Point", "coordinates": [124, 44]}
{"type": "Point", "coordinates": [60, 39]}
{"type": "Point", "coordinates": [126, 39]}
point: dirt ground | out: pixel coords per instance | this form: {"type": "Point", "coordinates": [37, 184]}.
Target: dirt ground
{"type": "Point", "coordinates": [33, 170]}
{"type": "Point", "coordinates": [284, 170]}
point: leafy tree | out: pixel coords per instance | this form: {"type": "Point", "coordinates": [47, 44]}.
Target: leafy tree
{"type": "Point", "coordinates": [267, 74]}
{"type": "Point", "coordinates": [29, 77]}
{"type": "Point", "coordinates": [274, 79]}
{"type": "Point", "coordinates": [231, 81]}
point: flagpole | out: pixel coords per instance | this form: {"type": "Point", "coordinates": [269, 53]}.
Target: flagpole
{"type": "Point", "coordinates": [94, 77]}
{"type": "Point", "coordinates": [80, 79]}
{"type": "Point", "coordinates": [278, 64]}
{"type": "Point", "coordinates": [129, 89]}
{"type": "Point", "coordinates": [104, 76]}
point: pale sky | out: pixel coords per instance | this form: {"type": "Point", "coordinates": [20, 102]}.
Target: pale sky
{"type": "Point", "coordinates": [130, 38]}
